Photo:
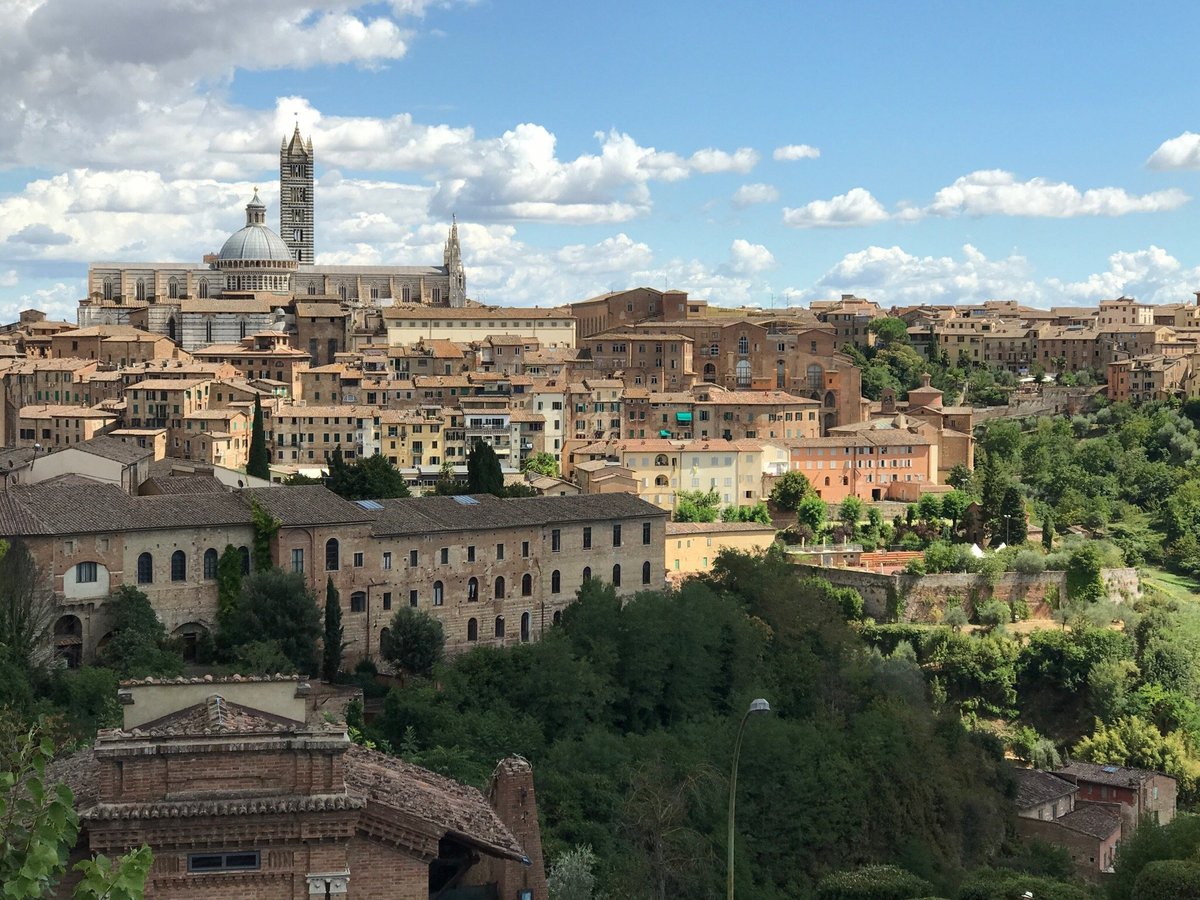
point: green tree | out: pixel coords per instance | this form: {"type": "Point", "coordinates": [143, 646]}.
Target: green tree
{"type": "Point", "coordinates": [1133, 741]}
{"type": "Point", "coordinates": [415, 641]}
{"type": "Point", "coordinates": [138, 646]}
{"type": "Point", "coordinates": [959, 477]}
{"type": "Point", "coordinates": [850, 512]}
{"type": "Point", "coordinates": [812, 511]}
{"type": "Point", "coordinates": [367, 478]}
{"type": "Point", "coordinates": [1048, 534]}
{"type": "Point", "coordinates": [929, 507]}
{"type": "Point", "coordinates": [259, 464]}
{"type": "Point", "coordinates": [230, 568]}
{"type": "Point", "coordinates": [696, 506]}
{"type": "Point", "coordinates": [1175, 878]}
{"type": "Point", "coordinates": [26, 610]}
{"type": "Point", "coordinates": [789, 489]}
{"type": "Point", "coordinates": [889, 331]}
{"type": "Point", "coordinates": [1084, 584]}
{"type": "Point", "coordinates": [274, 607]}
{"type": "Point", "coordinates": [332, 643]}
{"type": "Point", "coordinates": [39, 828]}
{"type": "Point", "coordinates": [1012, 516]}
{"type": "Point", "coordinates": [757, 513]}
{"type": "Point", "coordinates": [954, 507]}
{"type": "Point", "coordinates": [484, 475]}
{"type": "Point", "coordinates": [447, 485]}
{"type": "Point", "coordinates": [572, 875]}
{"type": "Point", "coordinates": [542, 464]}
{"type": "Point", "coordinates": [266, 526]}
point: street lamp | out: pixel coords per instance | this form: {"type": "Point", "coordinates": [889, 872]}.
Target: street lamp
{"type": "Point", "coordinates": [758, 705]}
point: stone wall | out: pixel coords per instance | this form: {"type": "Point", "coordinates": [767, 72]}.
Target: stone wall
{"type": "Point", "coordinates": [926, 596]}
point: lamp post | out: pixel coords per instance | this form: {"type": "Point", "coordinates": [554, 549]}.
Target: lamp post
{"type": "Point", "coordinates": [758, 705]}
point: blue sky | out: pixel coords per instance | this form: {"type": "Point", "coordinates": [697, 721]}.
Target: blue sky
{"type": "Point", "coordinates": [939, 152]}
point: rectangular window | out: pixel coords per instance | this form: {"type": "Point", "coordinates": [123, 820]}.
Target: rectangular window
{"type": "Point", "coordinates": [412, 599]}
{"type": "Point", "coordinates": [387, 599]}
{"type": "Point", "coordinates": [617, 535]}
{"type": "Point", "coordinates": [298, 559]}
{"type": "Point", "coordinates": [645, 532]}
{"type": "Point", "coordinates": [555, 541]}
{"type": "Point", "coordinates": [358, 602]}
{"type": "Point", "coordinates": [499, 552]}
{"type": "Point", "coordinates": [242, 861]}
{"type": "Point", "coordinates": [471, 553]}
{"type": "Point", "coordinates": [387, 559]}
{"type": "Point", "coordinates": [445, 556]}
{"type": "Point", "coordinates": [85, 573]}
{"type": "Point", "coordinates": [358, 560]}
{"type": "Point", "coordinates": [525, 549]}
{"type": "Point", "coordinates": [587, 537]}
{"type": "Point", "coordinates": [412, 559]}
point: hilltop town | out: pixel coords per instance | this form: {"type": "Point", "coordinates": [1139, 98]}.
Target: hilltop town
{"type": "Point", "coordinates": [370, 554]}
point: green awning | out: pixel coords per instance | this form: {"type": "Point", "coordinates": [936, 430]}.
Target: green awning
{"type": "Point", "coordinates": [683, 417]}
{"type": "Point", "coordinates": [664, 433]}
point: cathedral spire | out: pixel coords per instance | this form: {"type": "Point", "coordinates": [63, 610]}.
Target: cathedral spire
{"type": "Point", "coordinates": [297, 219]}
{"type": "Point", "coordinates": [452, 260]}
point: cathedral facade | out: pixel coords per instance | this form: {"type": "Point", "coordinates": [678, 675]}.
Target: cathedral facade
{"type": "Point", "coordinates": [262, 271]}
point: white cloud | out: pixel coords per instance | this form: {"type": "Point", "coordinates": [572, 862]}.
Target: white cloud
{"type": "Point", "coordinates": [750, 194]}
{"type": "Point", "coordinates": [1151, 275]}
{"type": "Point", "coordinates": [855, 207]}
{"type": "Point", "coordinates": [792, 152]}
{"type": "Point", "coordinates": [747, 258]}
{"type": "Point", "coordinates": [710, 161]}
{"type": "Point", "coordinates": [892, 275]}
{"type": "Point", "coordinates": [996, 192]}
{"type": "Point", "coordinates": [1182, 152]}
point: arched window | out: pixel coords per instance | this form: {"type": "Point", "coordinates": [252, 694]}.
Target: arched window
{"type": "Point", "coordinates": [108, 288]}
{"type": "Point", "coordinates": [555, 582]}
{"type": "Point", "coordinates": [587, 574]}
{"type": "Point", "coordinates": [710, 373]}
{"type": "Point", "coordinates": [472, 590]}
{"type": "Point", "coordinates": [646, 572]}
{"type": "Point", "coordinates": [179, 566]}
{"type": "Point", "coordinates": [385, 641]}
{"type": "Point", "coordinates": [342, 296]}
{"type": "Point", "coordinates": [826, 481]}
{"type": "Point", "coordinates": [242, 327]}
{"type": "Point", "coordinates": [661, 481]}
{"type": "Point", "coordinates": [830, 400]}
{"type": "Point", "coordinates": [437, 593]}
{"type": "Point", "coordinates": [500, 588]}
{"type": "Point", "coordinates": [312, 288]}
{"type": "Point", "coordinates": [358, 601]}
{"type": "Point", "coordinates": [557, 617]}
{"type": "Point", "coordinates": [743, 345]}
{"type": "Point", "coordinates": [472, 630]}
{"type": "Point", "coordinates": [816, 377]}
{"type": "Point", "coordinates": [526, 585]}
{"type": "Point", "coordinates": [661, 460]}
{"type": "Point", "coordinates": [203, 289]}
{"type": "Point", "coordinates": [616, 575]}
{"type": "Point", "coordinates": [742, 371]}
{"type": "Point", "coordinates": [244, 553]}
{"type": "Point", "coordinates": [332, 555]}
{"type": "Point", "coordinates": [208, 331]}
{"type": "Point", "coordinates": [171, 328]}
{"type": "Point", "coordinates": [172, 287]}
{"type": "Point", "coordinates": [210, 563]}
{"type": "Point", "coordinates": [525, 627]}
{"type": "Point", "coordinates": [499, 626]}
{"type": "Point", "coordinates": [141, 289]}
{"type": "Point", "coordinates": [145, 569]}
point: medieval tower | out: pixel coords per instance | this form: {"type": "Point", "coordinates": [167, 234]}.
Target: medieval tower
{"type": "Point", "coordinates": [452, 260]}
{"type": "Point", "coordinates": [296, 196]}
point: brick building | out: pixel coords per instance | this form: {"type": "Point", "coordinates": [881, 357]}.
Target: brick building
{"type": "Point", "coordinates": [1049, 809]}
{"type": "Point", "coordinates": [241, 791]}
{"type": "Point", "coordinates": [495, 571]}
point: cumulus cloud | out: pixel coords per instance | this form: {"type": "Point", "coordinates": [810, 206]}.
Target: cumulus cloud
{"type": "Point", "coordinates": [1182, 152]}
{"type": "Point", "coordinates": [748, 258]}
{"type": "Point", "coordinates": [792, 152]}
{"type": "Point", "coordinates": [996, 192]}
{"type": "Point", "coordinates": [1151, 275]}
{"type": "Point", "coordinates": [750, 194]}
{"type": "Point", "coordinates": [892, 275]}
{"type": "Point", "coordinates": [855, 207]}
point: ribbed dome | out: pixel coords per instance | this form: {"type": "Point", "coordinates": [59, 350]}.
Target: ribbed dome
{"type": "Point", "coordinates": [256, 242]}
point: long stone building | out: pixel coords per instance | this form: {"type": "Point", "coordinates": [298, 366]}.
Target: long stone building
{"type": "Point", "coordinates": [493, 571]}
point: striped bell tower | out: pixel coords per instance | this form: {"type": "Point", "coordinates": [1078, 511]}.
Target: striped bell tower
{"type": "Point", "coordinates": [296, 196]}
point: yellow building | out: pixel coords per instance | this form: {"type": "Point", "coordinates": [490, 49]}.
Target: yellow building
{"type": "Point", "coordinates": [692, 547]}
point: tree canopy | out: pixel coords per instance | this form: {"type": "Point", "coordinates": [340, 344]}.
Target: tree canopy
{"type": "Point", "coordinates": [484, 475]}
{"type": "Point", "coordinates": [274, 619]}
{"type": "Point", "coordinates": [367, 478]}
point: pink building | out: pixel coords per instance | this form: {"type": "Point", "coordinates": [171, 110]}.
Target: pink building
{"type": "Point", "coordinates": [866, 464]}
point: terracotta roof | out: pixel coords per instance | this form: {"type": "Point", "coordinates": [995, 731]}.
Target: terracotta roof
{"type": "Point", "coordinates": [183, 484]}
{"type": "Point", "coordinates": [114, 449]}
{"type": "Point", "coordinates": [307, 504]}
{"type": "Point", "coordinates": [676, 528]}
{"type": "Point", "coordinates": [1100, 773]}
{"type": "Point", "coordinates": [232, 806]}
{"type": "Point", "coordinates": [1092, 819]}
{"type": "Point", "coordinates": [1035, 787]}
{"type": "Point", "coordinates": [461, 811]}
{"type": "Point", "coordinates": [424, 515]}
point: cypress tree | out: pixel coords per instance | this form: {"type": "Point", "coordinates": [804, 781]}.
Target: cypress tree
{"type": "Point", "coordinates": [483, 471]}
{"type": "Point", "coordinates": [1047, 533]}
{"type": "Point", "coordinates": [259, 464]}
{"type": "Point", "coordinates": [332, 660]}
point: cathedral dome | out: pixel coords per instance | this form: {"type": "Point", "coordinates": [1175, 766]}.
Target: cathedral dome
{"type": "Point", "coordinates": [255, 241]}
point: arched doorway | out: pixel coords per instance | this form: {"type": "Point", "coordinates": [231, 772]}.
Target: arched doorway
{"type": "Point", "coordinates": [68, 640]}
{"type": "Point", "coordinates": [190, 637]}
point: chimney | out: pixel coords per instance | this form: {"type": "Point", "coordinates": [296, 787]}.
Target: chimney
{"type": "Point", "coordinates": [511, 794]}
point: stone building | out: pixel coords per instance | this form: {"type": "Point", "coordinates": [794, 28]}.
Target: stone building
{"type": "Point", "coordinates": [296, 182]}
{"type": "Point", "coordinates": [240, 790]}
{"type": "Point", "coordinates": [495, 571]}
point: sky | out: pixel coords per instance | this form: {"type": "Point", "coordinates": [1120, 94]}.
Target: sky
{"type": "Point", "coordinates": [766, 153]}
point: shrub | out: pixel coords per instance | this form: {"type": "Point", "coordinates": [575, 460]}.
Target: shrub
{"type": "Point", "coordinates": [872, 883]}
{"type": "Point", "coordinates": [1029, 562]}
